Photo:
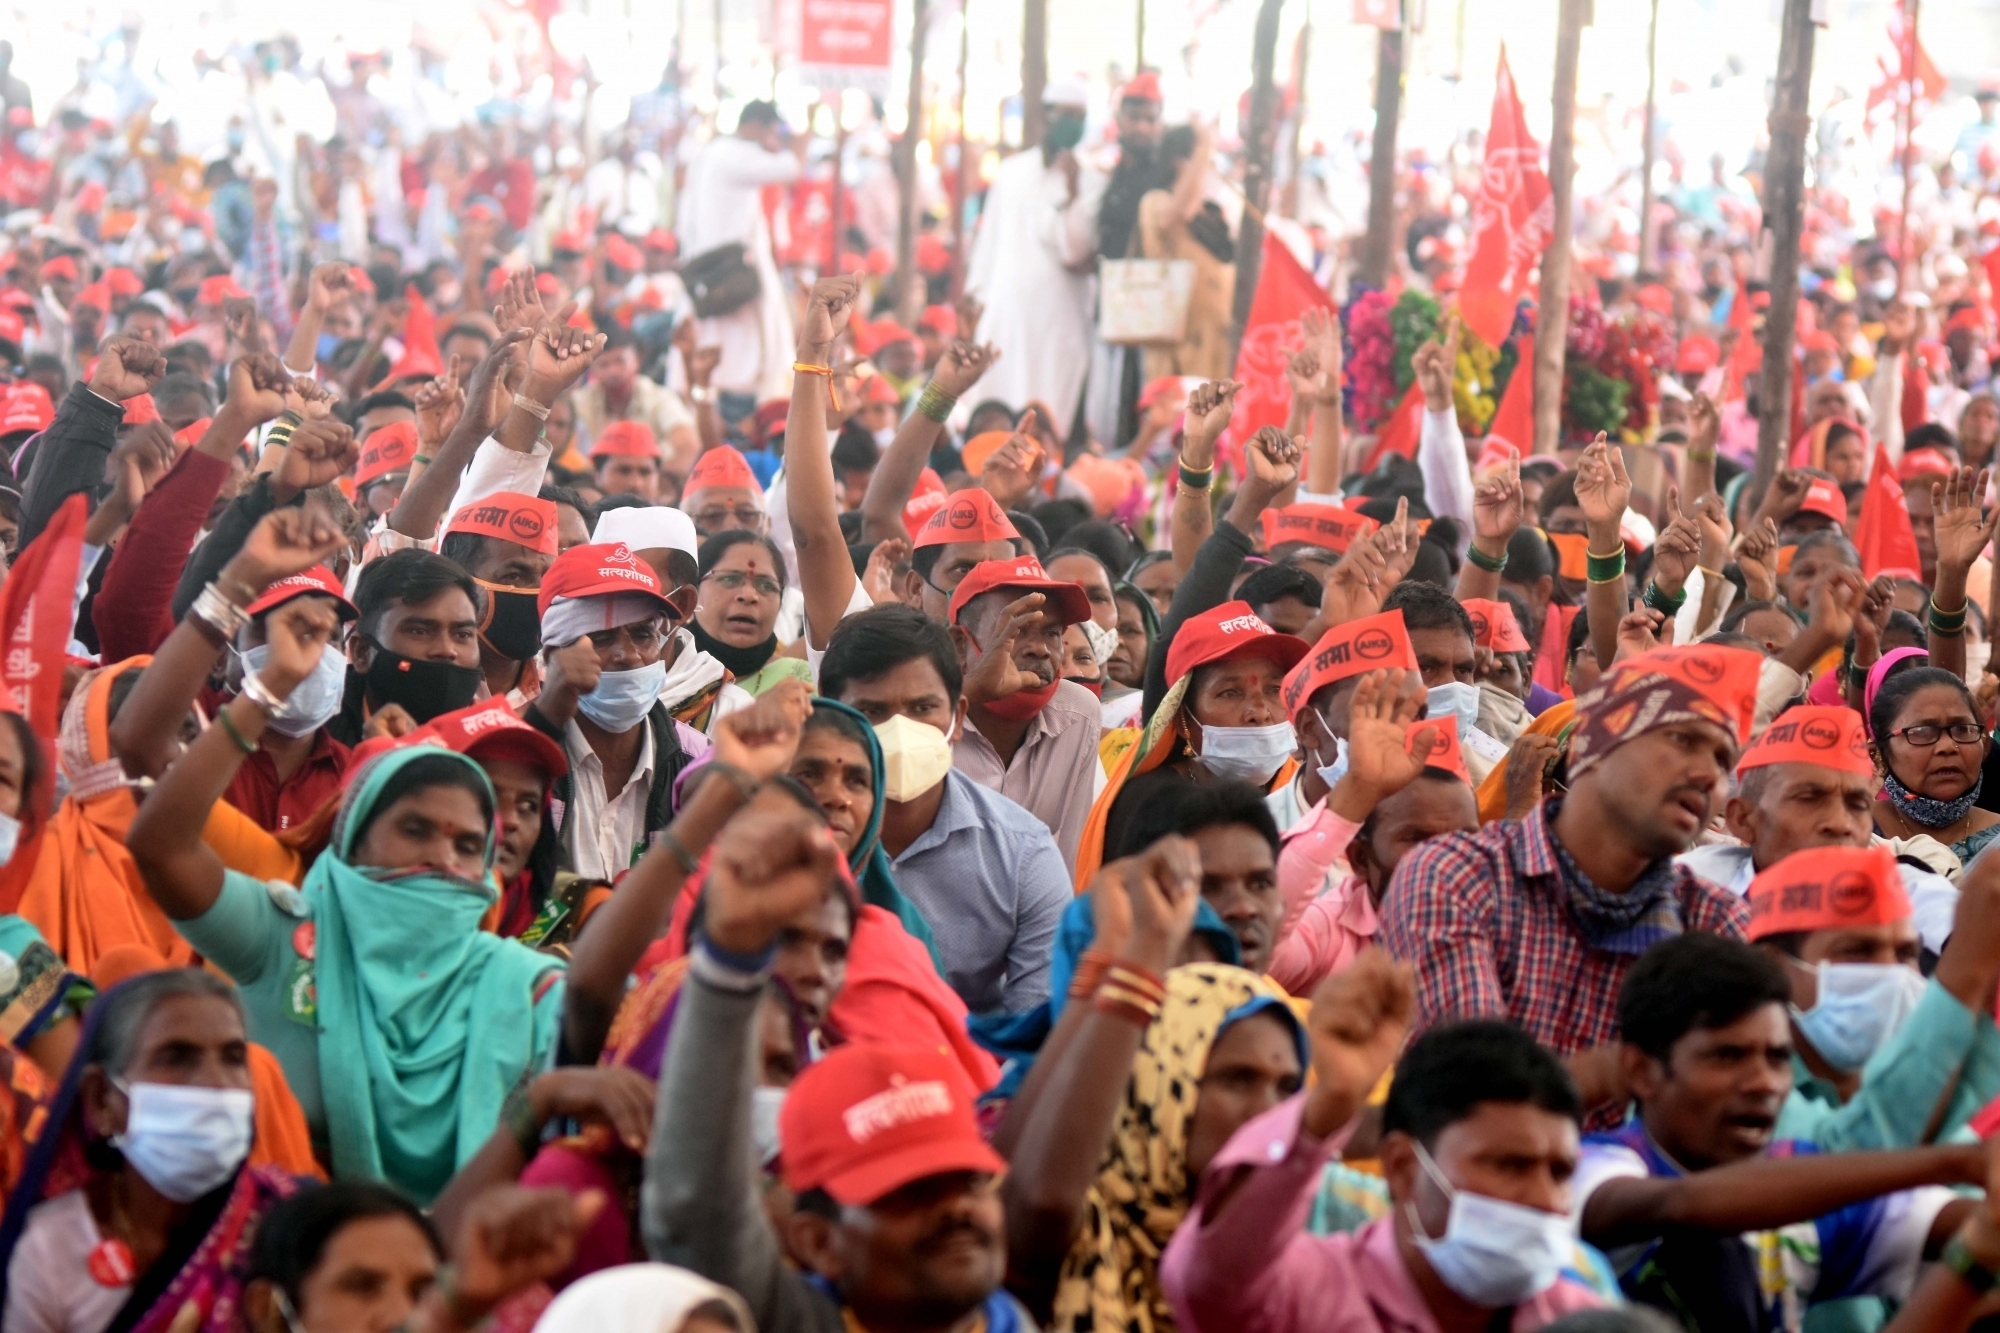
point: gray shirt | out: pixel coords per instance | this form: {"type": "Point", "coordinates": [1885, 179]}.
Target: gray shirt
{"type": "Point", "coordinates": [988, 878]}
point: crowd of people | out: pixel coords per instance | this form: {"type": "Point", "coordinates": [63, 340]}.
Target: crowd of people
{"type": "Point", "coordinates": [638, 792]}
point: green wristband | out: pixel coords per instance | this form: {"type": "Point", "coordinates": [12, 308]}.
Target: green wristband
{"type": "Point", "coordinates": [1663, 602]}
{"type": "Point", "coordinates": [1605, 568]}
{"type": "Point", "coordinates": [1490, 564]}
{"type": "Point", "coordinates": [1197, 481]}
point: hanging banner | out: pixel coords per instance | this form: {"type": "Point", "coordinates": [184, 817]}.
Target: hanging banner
{"type": "Point", "coordinates": [846, 43]}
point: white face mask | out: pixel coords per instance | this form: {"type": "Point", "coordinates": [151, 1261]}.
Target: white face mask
{"type": "Point", "coordinates": [1493, 1253]}
{"type": "Point", "coordinates": [885, 437]}
{"type": "Point", "coordinates": [1103, 642]}
{"type": "Point", "coordinates": [315, 699]}
{"type": "Point", "coordinates": [185, 1141]}
{"type": "Point", "coordinates": [623, 698]}
{"type": "Point", "coordinates": [10, 838]}
{"type": "Point", "coordinates": [1248, 754]}
{"type": "Point", "coordinates": [766, 1104]}
{"type": "Point", "coordinates": [1882, 288]}
{"type": "Point", "coordinates": [1860, 1007]}
{"type": "Point", "coordinates": [915, 757]}
{"type": "Point", "coordinates": [1455, 700]}
{"type": "Point", "coordinates": [1335, 771]}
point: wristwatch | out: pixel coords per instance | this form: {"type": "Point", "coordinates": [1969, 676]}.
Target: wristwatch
{"type": "Point", "coordinates": [1959, 1258]}
{"type": "Point", "coordinates": [700, 393]}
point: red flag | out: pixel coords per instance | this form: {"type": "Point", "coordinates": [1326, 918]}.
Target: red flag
{"type": "Point", "coordinates": [1285, 291]}
{"type": "Point", "coordinates": [1403, 431]}
{"type": "Point", "coordinates": [1915, 408]}
{"type": "Point", "coordinates": [1747, 355]}
{"type": "Point", "coordinates": [1906, 71]}
{"type": "Point", "coordinates": [1514, 420]}
{"type": "Point", "coordinates": [1512, 218]}
{"type": "Point", "coordinates": [1379, 13]}
{"type": "Point", "coordinates": [1883, 535]}
{"type": "Point", "coordinates": [35, 617]}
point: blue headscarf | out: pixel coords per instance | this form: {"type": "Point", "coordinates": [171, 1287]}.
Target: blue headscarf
{"type": "Point", "coordinates": [869, 861]}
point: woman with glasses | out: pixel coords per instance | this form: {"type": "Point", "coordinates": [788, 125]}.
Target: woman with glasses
{"type": "Point", "coordinates": [1929, 747]}
{"type": "Point", "coordinates": [735, 621]}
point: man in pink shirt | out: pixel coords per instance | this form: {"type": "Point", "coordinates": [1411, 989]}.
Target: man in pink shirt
{"type": "Point", "coordinates": [1479, 1137]}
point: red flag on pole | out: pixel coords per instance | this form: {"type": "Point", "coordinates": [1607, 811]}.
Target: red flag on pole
{"type": "Point", "coordinates": [1285, 291]}
{"type": "Point", "coordinates": [1514, 420]}
{"type": "Point", "coordinates": [1512, 218]}
{"type": "Point", "coordinates": [1403, 431]}
{"type": "Point", "coordinates": [1747, 355]}
{"type": "Point", "coordinates": [1883, 534]}
{"type": "Point", "coordinates": [35, 617]}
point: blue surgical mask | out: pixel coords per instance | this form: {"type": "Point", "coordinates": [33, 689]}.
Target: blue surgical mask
{"type": "Point", "coordinates": [1493, 1253]}
{"type": "Point", "coordinates": [1860, 1007]}
{"type": "Point", "coordinates": [328, 344]}
{"type": "Point", "coordinates": [316, 699]}
{"type": "Point", "coordinates": [1458, 701]}
{"type": "Point", "coordinates": [623, 698]}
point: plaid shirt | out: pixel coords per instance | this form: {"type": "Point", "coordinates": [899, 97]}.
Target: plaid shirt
{"type": "Point", "coordinates": [1483, 918]}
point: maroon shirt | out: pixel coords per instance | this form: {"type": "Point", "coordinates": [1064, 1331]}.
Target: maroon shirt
{"type": "Point", "coordinates": [256, 791]}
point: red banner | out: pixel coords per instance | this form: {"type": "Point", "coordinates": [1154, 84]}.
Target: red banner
{"type": "Point", "coordinates": [1514, 420]}
{"type": "Point", "coordinates": [36, 608]}
{"type": "Point", "coordinates": [1512, 219]}
{"type": "Point", "coordinates": [1883, 534]}
{"type": "Point", "coordinates": [1285, 291]}
{"type": "Point", "coordinates": [854, 33]}
{"type": "Point", "coordinates": [1379, 13]}
{"type": "Point", "coordinates": [1403, 431]}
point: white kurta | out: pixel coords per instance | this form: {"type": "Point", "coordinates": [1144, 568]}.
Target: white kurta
{"type": "Point", "coordinates": [722, 204]}
{"type": "Point", "coordinates": [1038, 312]}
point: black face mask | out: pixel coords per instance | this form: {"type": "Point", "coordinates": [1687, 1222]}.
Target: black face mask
{"type": "Point", "coordinates": [425, 689]}
{"type": "Point", "coordinates": [512, 626]}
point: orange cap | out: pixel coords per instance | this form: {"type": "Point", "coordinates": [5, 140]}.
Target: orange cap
{"type": "Point", "coordinates": [721, 466]}
{"type": "Point", "coordinates": [1371, 643]}
{"type": "Point", "coordinates": [1832, 737]}
{"type": "Point", "coordinates": [1451, 758]}
{"type": "Point", "coordinates": [626, 439]}
{"type": "Point", "coordinates": [390, 449]}
{"type": "Point", "coordinates": [986, 444]}
{"type": "Point", "coordinates": [970, 515]}
{"type": "Point", "coordinates": [1828, 888]}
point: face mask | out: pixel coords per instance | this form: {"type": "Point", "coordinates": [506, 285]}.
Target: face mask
{"type": "Point", "coordinates": [1064, 132]}
{"type": "Point", "coordinates": [328, 344]}
{"type": "Point", "coordinates": [1335, 771]}
{"type": "Point", "coordinates": [184, 1141]}
{"type": "Point", "coordinates": [1882, 289]}
{"type": "Point", "coordinates": [10, 838]}
{"type": "Point", "coordinates": [885, 437]}
{"type": "Point", "coordinates": [426, 689]}
{"type": "Point", "coordinates": [1493, 1253]}
{"type": "Point", "coordinates": [1096, 687]}
{"type": "Point", "coordinates": [915, 757]}
{"type": "Point", "coordinates": [1860, 1006]}
{"type": "Point", "coordinates": [1024, 704]}
{"type": "Point", "coordinates": [623, 698]}
{"type": "Point", "coordinates": [512, 626]}
{"type": "Point", "coordinates": [1248, 754]}
{"type": "Point", "coordinates": [766, 1104]}
{"type": "Point", "coordinates": [1103, 642]}
{"type": "Point", "coordinates": [1457, 701]}
{"type": "Point", "coordinates": [315, 699]}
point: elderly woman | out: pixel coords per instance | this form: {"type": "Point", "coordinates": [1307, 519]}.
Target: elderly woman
{"type": "Point", "coordinates": [735, 621]}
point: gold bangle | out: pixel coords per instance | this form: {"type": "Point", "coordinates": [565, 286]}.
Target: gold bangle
{"type": "Point", "coordinates": [1603, 555]}
{"type": "Point", "coordinates": [1711, 573]}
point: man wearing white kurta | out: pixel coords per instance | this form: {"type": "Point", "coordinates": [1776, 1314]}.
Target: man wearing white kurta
{"type": "Point", "coordinates": [1038, 229]}
{"type": "Point", "coordinates": [721, 205]}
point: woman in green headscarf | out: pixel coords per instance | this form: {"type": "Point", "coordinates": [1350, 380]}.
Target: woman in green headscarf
{"type": "Point", "coordinates": [365, 980]}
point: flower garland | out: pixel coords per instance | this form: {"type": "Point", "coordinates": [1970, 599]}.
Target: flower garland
{"type": "Point", "coordinates": [1608, 372]}
{"type": "Point", "coordinates": [1475, 385]}
{"type": "Point", "coordinates": [1370, 358]}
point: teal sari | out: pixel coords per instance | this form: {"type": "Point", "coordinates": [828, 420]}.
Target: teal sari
{"type": "Point", "coordinates": [870, 863]}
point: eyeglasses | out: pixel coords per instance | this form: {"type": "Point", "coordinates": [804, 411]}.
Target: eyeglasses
{"type": "Point", "coordinates": [721, 516]}
{"type": "Point", "coordinates": [644, 636]}
{"type": "Point", "coordinates": [733, 580]}
{"type": "Point", "coordinates": [1925, 735]}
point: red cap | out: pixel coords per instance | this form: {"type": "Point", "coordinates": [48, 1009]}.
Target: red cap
{"type": "Point", "coordinates": [1697, 355]}
{"type": "Point", "coordinates": [512, 517]}
{"type": "Point", "coordinates": [626, 439]}
{"type": "Point", "coordinates": [879, 390]}
{"type": "Point", "coordinates": [1450, 758]}
{"type": "Point", "coordinates": [1923, 463]}
{"type": "Point", "coordinates": [190, 435]}
{"type": "Point", "coordinates": [123, 282]}
{"type": "Point", "coordinates": [1026, 574]}
{"type": "Point", "coordinates": [597, 570]}
{"type": "Point", "coordinates": [548, 284]}
{"type": "Point", "coordinates": [659, 238]}
{"type": "Point", "coordinates": [1330, 527]}
{"type": "Point", "coordinates": [1144, 87]}
{"type": "Point", "coordinates": [871, 338]}
{"type": "Point", "coordinates": [572, 241]}
{"type": "Point", "coordinates": [97, 296]}
{"type": "Point", "coordinates": [318, 579]}
{"type": "Point", "coordinates": [1818, 340]}
{"type": "Point", "coordinates": [62, 266]}
{"type": "Point", "coordinates": [216, 290]}
{"type": "Point", "coordinates": [389, 449]}
{"type": "Point", "coordinates": [12, 327]}
{"type": "Point", "coordinates": [140, 408]}
{"type": "Point", "coordinates": [1831, 737]}
{"type": "Point", "coordinates": [1372, 643]}
{"type": "Point", "coordinates": [939, 319]}
{"type": "Point", "coordinates": [970, 515]}
{"type": "Point", "coordinates": [869, 1119]}
{"type": "Point", "coordinates": [1828, 888]}
{"type": "Point", "coordinates": [1227, 632]}
{"type": "Point", "coordinates": [925, 500]}
{"type": "Point", "coordinates": [721, 466]}
{"type": "Point", "coordinates": [623, 253]}
{"type": "Point", "coordinates": [1824, 497]}
{"type": "Point", "coordinates": [489, 730]}
{"type": "Point", "coordinates": [1494, 626]}
{"type": "Point", "coordinates": [1655, 298]}
{"type": "Point", "coordinates": [26, 406]}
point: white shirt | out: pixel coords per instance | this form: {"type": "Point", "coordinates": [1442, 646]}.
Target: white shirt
{"type": "Point", "coordinates": [610, 834]}
{"type": "Point", "coordinates": [47, 1287]}
{"type": "Point", "coordinates": [722, 198]}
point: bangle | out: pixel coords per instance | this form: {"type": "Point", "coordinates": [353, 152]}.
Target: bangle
{"type": "Point", "coordinates": [217, 610]}
{"type": "Point", "coordinates": [806, 368]}
{"type": "Point", "coordinates": [1604, 568]}
{"type": "Point", "coordinates": [531, 407]}
{"type": "Point", "coordinates": [935, 403]}
{"type": "Point", "coordinates": [425, 459]}
{"type": "Point", "coordinates": [517, 1113]}
{"type": "Point", "coordinates": [257, 692]}
{"type": "Point", "coordinates": [1701, 455]}
{"type": "Point", "coordinates": [1947, 622]}
{"type": "Point", "coordinates": [1958, 1257]}
{"type": "Point", "coordinates": [677, 849]}
{"type": "Point", "coordinates": [1491, 564]}
{"type": "Point", "coordinates": [281, 430]}
{"type": "Point", "coordinates": [743, 782]}
{"type": "Point", "coordinates": [1197, 481]}
{"type": "Point", "coordinates": [1667, 604]}
{"type": "Point", "coordinates": [1133, 1008]}
{"type": "Point", "coordinates": [222, 716]}
{"type": "Point", "coordinates": [1711, 573]}
{"type": "Point", "coordinates": [1090, 970]}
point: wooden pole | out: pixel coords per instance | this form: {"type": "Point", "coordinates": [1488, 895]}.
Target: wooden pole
{"type": "Point", "coordinates": [1552, 317]}
{"type": "Point", "coordinates": [1257, 144]}
{"type": "Point", "coordinates": [908, 286]}
{"type": "Point", "coordinates": [1906, 117]}
{"type": "Point", "coordinates": [964, 180]}
{"type": "Point", "coordinates": [837, 203]}
{"type": "Point", "coordinates": [1301, 56]}
{"type": "Point", "coordinates": [716, 14]}
{"type": "Point", "coordinates": [1649, 230]}
{"type": "Point", "coordinates": [1034, 69]}
{"type": "Point", "coordinates": [1139, 38]}
{"type": "Point", "coordinates": [1784, 214]}
{"type": "Point", "coordinates": [1380, 240]}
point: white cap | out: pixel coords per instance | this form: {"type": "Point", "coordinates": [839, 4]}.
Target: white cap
{"type": "Point", "coordinates": [649, 528]}
{"type": "Point", "coordinates": [1065, 92]}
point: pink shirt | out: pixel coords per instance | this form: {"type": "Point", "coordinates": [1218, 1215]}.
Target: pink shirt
{"type": "Point", "coordinates": [1260, 1272]}
{"type": "Point", "coordinates": [1328, 917]}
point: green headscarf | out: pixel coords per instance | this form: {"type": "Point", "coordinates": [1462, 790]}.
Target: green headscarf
{"type": "Point", "coordinates": [870, 864]}
{"type": "Point", "coordinates": [412, 1083]}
